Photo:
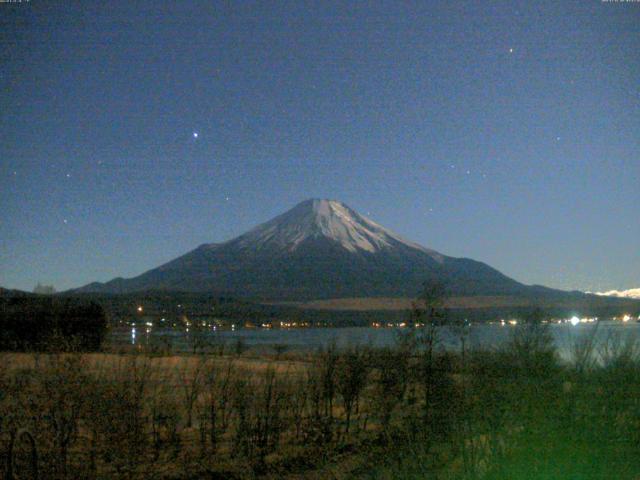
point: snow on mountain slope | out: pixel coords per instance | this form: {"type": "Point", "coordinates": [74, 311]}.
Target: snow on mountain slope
{"type": "Point", "coordinates": [330, 219]}
{"type": "Point", "coordinates": [631, 293]}
{"type": "Point", "coordinates": [318, 249]}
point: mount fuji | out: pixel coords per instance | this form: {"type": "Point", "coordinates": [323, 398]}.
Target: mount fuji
{"type": "Point", "coordinates": [320, 249]}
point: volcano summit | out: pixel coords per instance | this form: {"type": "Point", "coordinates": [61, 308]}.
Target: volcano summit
{"type": "Point", "coordinates": [319, 249]}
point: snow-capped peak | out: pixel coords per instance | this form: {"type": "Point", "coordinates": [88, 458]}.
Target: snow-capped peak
{"type": "Point", "coordinates": [325, 218]}
{"type": "Point", "coordinates": [631, 293]}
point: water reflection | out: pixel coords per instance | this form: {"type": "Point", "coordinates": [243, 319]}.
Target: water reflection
{"type": "Point", "coordinates": [478, 336]}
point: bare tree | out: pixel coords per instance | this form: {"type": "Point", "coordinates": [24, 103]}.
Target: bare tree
{"type": "Point", "coordinates": [191, 383]}
{"type": "Point", "coordinates": [217, 407]}
{"type": "Point", "coordinates": [351, 378]}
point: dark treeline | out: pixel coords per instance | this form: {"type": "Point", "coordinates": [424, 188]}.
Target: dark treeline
{"type": "Point", "coordinates": [175, 305]}
{"type": "Point", "coordinates": [39, 323]}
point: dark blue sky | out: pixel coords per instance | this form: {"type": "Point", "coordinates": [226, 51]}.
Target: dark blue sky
{"type": "Point", "coordinates": [508, 132]}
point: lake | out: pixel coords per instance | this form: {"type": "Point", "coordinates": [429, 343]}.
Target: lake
{"type": "Point", "coordinates": [479, 336]}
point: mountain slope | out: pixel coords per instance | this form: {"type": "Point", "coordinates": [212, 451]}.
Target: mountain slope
{"type": "Point", "coordinates": [319, 249]}
{"type": "Point", "coordinates": [631, 293]}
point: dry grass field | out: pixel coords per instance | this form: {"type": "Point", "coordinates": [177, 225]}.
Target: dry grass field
{"type": "Point", "coordinates": [411, 411]}
{"type": "Point", "coordinates": [474, 302]}
{"type": "Point", "coordinates": [404, 304]}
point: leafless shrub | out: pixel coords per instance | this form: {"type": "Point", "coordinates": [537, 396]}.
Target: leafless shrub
{"type": "Point", "coordinates": [267, 421]}
{"type": "Point", "coordinates": [319, 427]}
{"type": "Point", "coordinates": [352, 370]}
{"type": "Point", "coordinates": [531, 347]}
{"type": "Point", "coordinates": [616, 351]}
{"type": "Point", "coordinates": [61, 401]}
{"type": "Point", "coordinates": [216, 409]}
{"type": "Point", "coordinates": [118, 415]}
{"type": "Point", "coordinates": [299, 404]}
{"type": "Point", "coordinates": [258, 411]}
{"type": "Point", "coordinates": [583, 351]}
{"type": "Point", "coordinates": [391, 381]}
{"type": "Point", "coordinates": [327, 363]}
{"type": "Point", "coordinates": [165, 420]}
{"type": "Point", "coordinates": [191, 384]}
{"type": "Point", "coordinates": [242, 409]}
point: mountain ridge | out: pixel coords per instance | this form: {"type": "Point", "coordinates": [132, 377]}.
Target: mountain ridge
{"type": "Point", "coordinates": [633, 293]}
{"type": "Point", "coordinates": [319, 249]}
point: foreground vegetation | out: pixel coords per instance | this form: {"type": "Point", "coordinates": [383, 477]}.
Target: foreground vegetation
{"type": "Point", "coordinates": [412, 411]}
{"type": "Point", "coordinates": [42, 323]}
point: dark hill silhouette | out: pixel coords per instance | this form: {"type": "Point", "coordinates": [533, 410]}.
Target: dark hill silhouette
{"type": "Point", "coordinates": [320, 249]}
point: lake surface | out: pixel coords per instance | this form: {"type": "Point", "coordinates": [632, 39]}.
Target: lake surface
{"type": "Point", "coordinates": [565, 336]}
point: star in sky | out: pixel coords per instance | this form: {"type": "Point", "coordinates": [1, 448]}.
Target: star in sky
{"type": "Point", "coordinates": [298, 118]}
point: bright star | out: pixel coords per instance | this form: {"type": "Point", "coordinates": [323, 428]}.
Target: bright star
{"type": "Point", "coordinates": [511, 50]}
{"type": "Point", "coordinates": [195, 134]}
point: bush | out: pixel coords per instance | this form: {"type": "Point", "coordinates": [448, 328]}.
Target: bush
{"type": "Point", "coordinates": [46, 324]}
